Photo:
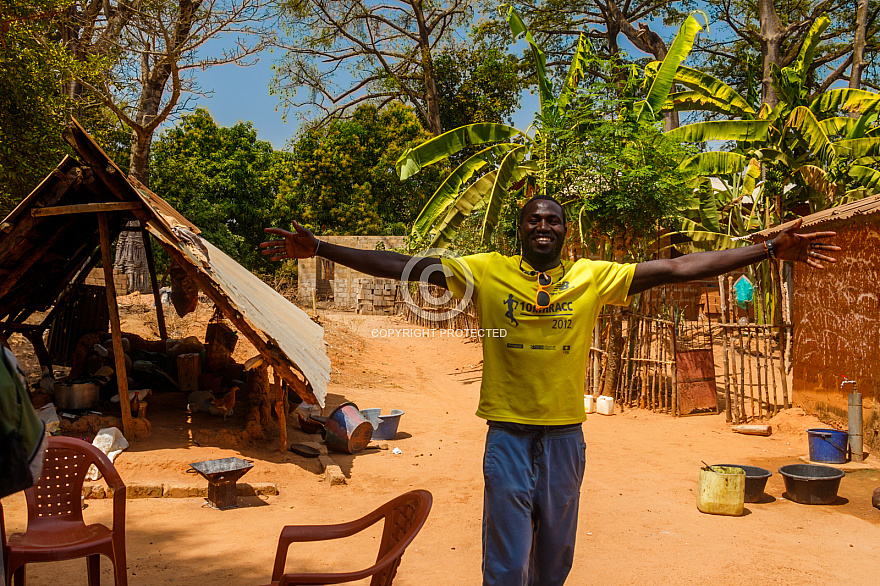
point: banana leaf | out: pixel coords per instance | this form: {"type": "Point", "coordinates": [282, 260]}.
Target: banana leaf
{"type": "Point", "coordinates": [508, 172]}
{"type": "Point", "coordinates": [576, 71]}
{"type": "Point", "coordinates": [713, 88]}
{"type": "Point", "coordinates": [518, 28]}
{"type": "Point", "coordinates": [448, 191]}
{"type": "Point", "coordinates": [714, 163]}
{"type": "Point", "coordinates": [865, 177]}
{"type": "Point", "coordinates": [837, 125]}
{"type": "Point", "coordinates": [804, 59]}
{"type": "Point", "coordinates": [739, 130]}
{"type": "Point", "coordinates": [869, 115]}
{"type": "Point", "coordinates": [678, 51]}
{"type": "Point", "coordinates": [440, 147]}
{"type": "Point", "coordinates": [805, 124]}
{"type": "Point", "coordinates": [696, 100]}
{"type": "Point", "coordinates": [710, 239]}
{"type": "Point", "coordinates": [858, 147]}
{"type": "Point", "coordinates": [842, 99]}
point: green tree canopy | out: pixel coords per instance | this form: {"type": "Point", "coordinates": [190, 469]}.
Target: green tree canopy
{"type": "Point", "coordinates": [477, 84]}
{"type": "Point", "coordinates": [33, 107]}
{"type": "Point", "coordinates": [224, 180]}
{"type": "Point", "coordinates": [343, 179]}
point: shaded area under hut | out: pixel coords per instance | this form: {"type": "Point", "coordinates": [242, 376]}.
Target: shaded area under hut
{"type": "Point", "coordinates": [51, 242]}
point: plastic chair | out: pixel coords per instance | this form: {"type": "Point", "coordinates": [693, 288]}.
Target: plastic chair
{"type": "Point", "coordinates": [404, 517]}
{"type": "Point", "coordinates": [56, 530]}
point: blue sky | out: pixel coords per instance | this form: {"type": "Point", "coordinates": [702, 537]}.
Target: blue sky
{"type": "Point", "coordinates": [242, 94]}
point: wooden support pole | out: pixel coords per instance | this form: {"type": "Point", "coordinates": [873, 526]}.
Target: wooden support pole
{"type": "Point", "coordinates": [115, 327]}
{"type": "Point", "coordinates": [725, 358]}
{"type": "Point", "coordinates": [154, 284]}
{"type": "Point", "coordinates": [280, 410]}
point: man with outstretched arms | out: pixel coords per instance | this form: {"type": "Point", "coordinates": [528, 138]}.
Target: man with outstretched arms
{"type": "Point", "coordinates": [533, 376]}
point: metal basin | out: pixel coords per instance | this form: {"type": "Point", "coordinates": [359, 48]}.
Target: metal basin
{"type": "Point", "coordinates": [76, 396]}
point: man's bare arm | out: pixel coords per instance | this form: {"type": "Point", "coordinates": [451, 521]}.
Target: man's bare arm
{"type": "Point", "coordinates": [378, 263]}
{"type": "Point", "coordinates": [787, 245]}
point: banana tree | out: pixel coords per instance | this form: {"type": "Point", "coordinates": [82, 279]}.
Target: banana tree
{"type": "Point", "coordinates": [510, 159]}
{"type": "Point", "coordinates": [808, 154]}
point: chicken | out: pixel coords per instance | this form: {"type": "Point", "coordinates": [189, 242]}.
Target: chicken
{"type": "Point", "coordinates": [225, 403]}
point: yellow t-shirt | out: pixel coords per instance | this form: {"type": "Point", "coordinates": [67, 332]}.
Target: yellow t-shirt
{"type": "Point", "coordinates": [534, 361]}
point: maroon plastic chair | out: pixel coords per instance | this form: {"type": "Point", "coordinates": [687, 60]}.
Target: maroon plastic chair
{"type": "Point", "coordinates": [56, 530]}
{"type": "Point", "coordinates": [404, 517]}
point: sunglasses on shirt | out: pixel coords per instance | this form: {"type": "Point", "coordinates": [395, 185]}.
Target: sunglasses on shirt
{"type": "Point", "coordinates": [542, 298]}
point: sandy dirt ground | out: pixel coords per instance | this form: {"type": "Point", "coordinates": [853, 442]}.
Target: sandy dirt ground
{"type": "Point", "coordinates": [638, 524]}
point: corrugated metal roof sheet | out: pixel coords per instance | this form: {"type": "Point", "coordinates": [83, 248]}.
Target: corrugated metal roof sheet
{"type": "Point", "coordinates": [862, 207]}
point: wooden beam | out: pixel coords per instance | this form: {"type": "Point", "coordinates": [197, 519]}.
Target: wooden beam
{"type": "Point", "coordinates": [154, 284]}
{"type": "Point", "coordinates": [86, 208]}
{"type": "Point", "coordinates": [115, 327]}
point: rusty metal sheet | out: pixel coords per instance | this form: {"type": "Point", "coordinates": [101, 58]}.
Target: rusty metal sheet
{"type": "Point", "coordinates": [865, 206]}
{"type": "Point", "coordinates": [696, 381]}
{"type": "Point", "coordinates": [286, 326]}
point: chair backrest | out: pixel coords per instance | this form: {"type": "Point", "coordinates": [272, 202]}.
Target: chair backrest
{"type": "Point", "coordinates": [404, 517]}
{"type": "Point", "coordinates": [57, 496]}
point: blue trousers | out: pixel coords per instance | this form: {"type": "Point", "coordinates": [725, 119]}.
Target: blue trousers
{"type": "Point", "coordinates": [532, 477]}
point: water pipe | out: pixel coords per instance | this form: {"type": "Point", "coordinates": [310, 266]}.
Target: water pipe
{"type": "Point", "coordinates": [855, 422]}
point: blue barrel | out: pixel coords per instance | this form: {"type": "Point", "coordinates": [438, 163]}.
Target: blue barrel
{"type": "Point", "coordinates": [828, 445]}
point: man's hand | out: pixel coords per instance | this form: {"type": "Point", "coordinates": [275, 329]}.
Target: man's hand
{"type": "Point", "coordinates": [299, 244]}
{"type": "Point", "coordinates": [804, 247]}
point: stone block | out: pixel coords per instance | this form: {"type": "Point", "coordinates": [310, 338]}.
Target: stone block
{"type": "Point", "coordinates": [184, 492]}
{"type": "Point", "coordinates": [143, 491]}
{"type": "Point", "coordinates": [93, 491]}
{"type": "Point", "coordinates": [256, 489]}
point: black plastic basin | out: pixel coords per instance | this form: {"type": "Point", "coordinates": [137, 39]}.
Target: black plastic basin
{"type": "Point", "coordinates": [811, 484]}
{"type": "Point", "coordinates": [756, 480]}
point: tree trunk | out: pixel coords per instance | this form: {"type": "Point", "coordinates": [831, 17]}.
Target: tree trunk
{"type": "Point", "coordinates": [645, 40]}
{"type": "Point", "coordinates": [858, 61]}
{"type": "Point", "coordinates": [432, 104]}
{"type": "Point", "coordinates": [771, 40]}
{"type": "Point", "coordinates": [615, 350]}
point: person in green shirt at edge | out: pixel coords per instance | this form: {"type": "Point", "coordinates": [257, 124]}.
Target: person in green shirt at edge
{"type": "Point", "coordinates": [537, 313]}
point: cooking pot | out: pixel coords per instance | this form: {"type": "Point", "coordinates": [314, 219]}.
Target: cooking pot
{"type": "Point", "coordinates": [76, 396]}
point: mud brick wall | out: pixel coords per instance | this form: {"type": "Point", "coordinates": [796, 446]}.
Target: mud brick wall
{"type": "Point", "coordinates": [836, 313]}
{"type": "Point", "coordinates": [343, 287]}
{"type": "Point", "coordinates": [120, 280]}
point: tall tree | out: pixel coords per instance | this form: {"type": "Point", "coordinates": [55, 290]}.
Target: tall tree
{"type": "Point", "coordinates": [33, 107]}
{"type": "Point", "coordinates": [224, 180]}
{"type": "Point", "coordinates": [155, 46]}
{"type": "Point", "coordinates": [770, 34]}
{"type": "Point", "coordinates": [477, 84]}
{"type": "Point", "coordinates": [342, 53]}
{"type": "Point", "coordinates": [342, 178]}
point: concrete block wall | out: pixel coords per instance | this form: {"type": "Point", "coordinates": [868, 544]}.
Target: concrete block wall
{"type": "Point", "coordinates": [343, 287]}
{"type": "Point", "coordinates": [120, 280]}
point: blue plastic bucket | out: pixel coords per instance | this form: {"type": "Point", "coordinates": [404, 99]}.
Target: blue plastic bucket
{"type": "Point", "coordinates": [828, 445]}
